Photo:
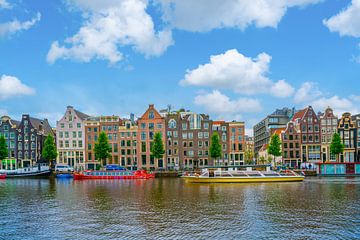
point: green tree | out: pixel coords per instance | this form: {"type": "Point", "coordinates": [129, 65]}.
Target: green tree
{"type": "Point", "coordinates": [49, 150]}
{"type": "Point", "coordinates": [274, 147]}
{"type": "Point", "coordinates": [157, 148]}
{"type": "Point", "coordinates": [215, 146]}
{"type": "Point", "coordinates": [3, 148]}
{"type": "Point", "coordinates": [102, 148]}
{"type": "Point", "coordinates": [249, 155]}
{"type": "Point", "coordinates": [336, 146]}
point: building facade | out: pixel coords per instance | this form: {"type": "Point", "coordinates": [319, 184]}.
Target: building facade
{"type": "Point", "coordinates": [348, 134]}
{"type": "Point", "coordinates": [237, 143]}
{"type": "Point", "coordinates": [70, 141]}
{"type": "Point", "coordinates": [31, 135]}
{"type": "Point", "coordinates": [128, 144]}
{"type": "Point", "coordinates": [329, 123]}
{"type": "Point", "coordinates": [150, 123]}
{"type": "Point", "coordinates": [8, 129]}
{"type": "Point", "coordinates": [291, 145]}
{"type": "Point", "coordinates": [263, 129]}
{"type": "Point", "coordinates": [309, 125]}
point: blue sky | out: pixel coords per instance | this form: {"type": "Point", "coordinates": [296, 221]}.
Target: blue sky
{"type": "Point", "coordinates": [117, 56]}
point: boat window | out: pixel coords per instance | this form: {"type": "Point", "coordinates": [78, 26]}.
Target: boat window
{"type": "Point", "coordinates": [238, 174]}
{"type": "Point", "coordinates": [225, 174]}
{"type": "Point", "coordinates": [271, 174]}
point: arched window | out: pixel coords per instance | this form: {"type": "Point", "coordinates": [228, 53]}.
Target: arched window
{"type": "Point", "coordinates": [172, 123]}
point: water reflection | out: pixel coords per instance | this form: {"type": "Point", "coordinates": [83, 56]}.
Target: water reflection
{"type": "Point", "coordinates": [169, 208]}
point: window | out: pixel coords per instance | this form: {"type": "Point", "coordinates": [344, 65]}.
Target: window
{"type": "Point", "coordinates": [89, 146]}
{"type": "Point", "coordinates": [62, 125]}
{"type": "Point", "coordinates": [159, 126]}
{"type": "Point", "coordinates": [151, 126]}
{"type": "Point", "coordinates": [200, 135]}
{"type": "Point", "coordinates": [32, 137]}
{"type": "Point", "coordinates": [143, 135]}
{"type": "Point", "coordinates": [206, 125]}
{"type": "Point", "coordinates": [143, 146]}
{"type": "Point", "coordinates": [78, 125]}
{"type": "Point", "coordinates": [70, 125]}
{"type": "Point", "coordinates": [184, 135]}
{"type": "Point", "coordinates": [172, 123]}
{"type": "Point", "coordinates": [151, 115]}
{"type": "Point", "coordinates": [74, 134]}
{"type": "Point", "coordinates": [66, 143]}
{"type": "Point", "coordinates": [206, 135]}
{"type": "Point", "coordinates": [143, 125]}
{"type": "Point", "coordinates": [74, 143]}
{"type": "Point", "coordinates": [66, 134]}
{"type": "Point", "coordinates": [79, 134]}
{"type": "Point", "coordinates": [184, 126]}
{"type": "Point", "coordinates": [190, 135]}
{"type": "Point", "coordinates": [80, 144]}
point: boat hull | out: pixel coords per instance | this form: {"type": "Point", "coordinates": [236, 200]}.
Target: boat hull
{"type": "Point", "coordinates": [194, 179]}
{"type": "Point", "coordinates": [112, 175]}
{"type": "Point", "coordinates": [64, 175]}
{"type": "Point", "coordinates": [29, 175]}
{"type": "Point", "coordinates": [2, 176]}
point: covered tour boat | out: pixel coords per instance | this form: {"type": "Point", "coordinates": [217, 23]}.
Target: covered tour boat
{"type": "Point", "coordinates": [233, 174]}
{"type": "Point", "coordinates": [125, 174]}
{"type": "Point", "coordinates": [40, 170]}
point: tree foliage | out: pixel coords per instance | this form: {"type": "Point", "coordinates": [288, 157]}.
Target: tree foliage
{"type": "Point", "coordinates": [157, 148]}
{"type": "Point", "coordinates": [49, 150]}
{"type": "Point", "coordinates": [215, 146]}
{"type": "Point", "coordinates": [102, 148]}
{"type": "Point", "coordinates": [275, 146]}
{"type": "Point", "coordinates": [249, 155]}
{"type": "Point", "coordinates": [3, 148]}
{"type": "Point", "coordinates": [336, 146]}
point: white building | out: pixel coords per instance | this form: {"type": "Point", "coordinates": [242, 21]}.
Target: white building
{"type": "Point", "coordinates": [70, 138]}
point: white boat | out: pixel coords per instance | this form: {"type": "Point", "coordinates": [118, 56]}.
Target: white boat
{"type": "Point", "coordinates": [236, 175]}
{"type": "Point", "coordinates": [35, 171]}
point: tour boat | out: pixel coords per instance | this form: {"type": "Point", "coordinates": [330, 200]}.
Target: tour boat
{"type": "Point", "coordinates": [124, 174]}
{"type": "Point", "coordinates": [2, 176]}
{"type": "Point", "coordinates": [41, 170]}
{"type": "Point", "coordinates": [234, 175]}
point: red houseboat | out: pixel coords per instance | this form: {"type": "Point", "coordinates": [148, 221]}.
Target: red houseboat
{"type": "Point", "coordinates": [139, 174]}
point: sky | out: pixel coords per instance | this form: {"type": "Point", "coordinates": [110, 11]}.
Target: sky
{"type": "Point", "coordinates": [232, 59]}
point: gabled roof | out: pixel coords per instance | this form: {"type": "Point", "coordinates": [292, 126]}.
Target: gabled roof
{"type": "Point", "coordinates": [157, 115]}
{"type": "Point", "coordinates": [44, 123]}
{"type": "Point", "coordinates": [299, 115]}
{"type": "Point", "coordinates": [81, 115]}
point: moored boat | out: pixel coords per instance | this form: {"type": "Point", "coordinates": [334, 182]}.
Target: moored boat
{"type": "Point", "coordinates": [126, 174]}
{"type": "Point", "coordinates": [64, 175]}
{"type": "Point", "coordinates": [2, 176]}
{"type": "Point", "coordinates": [35, 171]}
{"type": "Point", "coordinates": [234, 175]}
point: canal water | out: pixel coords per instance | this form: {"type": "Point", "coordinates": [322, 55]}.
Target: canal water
{"type": "Point", "coordinates": [319, 208]}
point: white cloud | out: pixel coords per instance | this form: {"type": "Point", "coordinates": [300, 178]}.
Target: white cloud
{"type": "Point", "coordinates": [109, 25]}
{"type": "Point", "coordinates": [4, 4]}
{"type": "Point", "coordinates": [338, 104]}
{"type": "Point", "coordinates": [218, 103]}
{"type": "Point", "coordinates": [232, 70]}
{"type": "Point", "coordinates": [205, 15]}
{"type": "Point", "coordinates": [282, 89]}
{"type": "Point", "coordinates": [307, 92]}
{"type": "Point", "coordinates": [3, 112]}
{"type": "Point", "coordinates": [14, 26]}
{"type": "Point", "coordinates": [11, 86]}
{"type": "Point", "coordinates": [347, 21]}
